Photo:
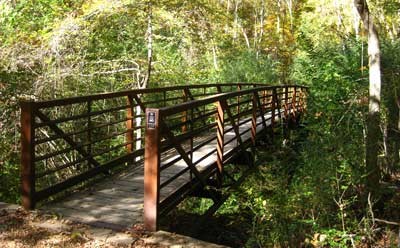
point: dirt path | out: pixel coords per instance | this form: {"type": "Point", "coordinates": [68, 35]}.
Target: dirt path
{"type": "Point", "coordinates": [19, 228]}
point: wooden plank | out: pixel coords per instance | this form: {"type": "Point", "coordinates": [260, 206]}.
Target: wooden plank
{"type": "Point", "coordinates": [44, 193]}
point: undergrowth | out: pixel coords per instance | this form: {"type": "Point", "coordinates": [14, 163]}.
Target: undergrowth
{"type": "Point", "coordinates": [298, 197]}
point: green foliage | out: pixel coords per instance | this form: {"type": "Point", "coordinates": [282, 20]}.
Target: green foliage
{"type": "Point", "coordinates": [59, 48]}
{"type": "Point", "coordinates": [243, 67]}
{"type": "Point", "coordinates": [329, 181]}
{"type": "Point", "coordinates": [30, 19]}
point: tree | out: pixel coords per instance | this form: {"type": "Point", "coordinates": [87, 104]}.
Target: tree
{"type": "Point", "coordinates": [373, 120]}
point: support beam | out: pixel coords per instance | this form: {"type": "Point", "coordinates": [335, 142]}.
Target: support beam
{"type": "Point", "coordinates": [254, 119]}
{"type": "Point", "coordinates": [294, 103]}
{"type": "Point", "coordinates": [152, 170]}
{"type": "Point", "coordinates": [27, 155]}
{"type": "Point", "coordinates": [220, 142]}
{"type": "Point", "coordinates": [130, 125]}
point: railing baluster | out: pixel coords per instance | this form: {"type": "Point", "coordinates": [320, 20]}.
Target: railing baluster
{"type": "Point", "coordinates": [273, 107]}
{"type": "Point", "coordinates": [130, 124]}
{"type": "Point", "coordinates": [260, 109]}
{"type": "Point", "coordinates": [138, 122]}
{"type": "Point", "coordinates": [28, 154]}
{"type": "Point", "coordinates": [294, 103]}
{"type": "Point", "coordinates": [264, 100]}
{"type": "Point", "coordinates": [279, 103]}
{"type": "Point", "coordinates": [239, 87]}
{"type": "Point", "coordinates": [152, 170]}
{"type": "Point", "coordinates": [89, 131]}
{"type": "Point", "coordinates": [185, 113]}
{"type": "Point", "coordinates": [254, 119]}
{"type": "Point", "coordinates": [287, 109]}
{"type": "Point", "coordinates": [191, 139]}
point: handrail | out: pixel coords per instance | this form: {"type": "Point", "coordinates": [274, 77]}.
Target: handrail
{"type": "Point", "coordinates": [107, 95]}
{"type": "Point", "coordinates": [221, 96]}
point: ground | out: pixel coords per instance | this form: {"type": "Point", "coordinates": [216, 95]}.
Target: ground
{"type": "Point", "coordinates": [20, 228]}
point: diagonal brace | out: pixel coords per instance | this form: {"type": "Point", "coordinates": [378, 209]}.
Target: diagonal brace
{"type": "Point", "coordinates": [170, 136]}
{"type": "Point", "coordinates": [68, 139]}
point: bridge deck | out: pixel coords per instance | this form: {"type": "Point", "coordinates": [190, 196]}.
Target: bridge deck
{"type": "Point", "coordinates": [118, 201]}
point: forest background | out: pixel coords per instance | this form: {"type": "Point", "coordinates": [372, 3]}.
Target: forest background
{"type": "Point", "coordinates": [59, 48]}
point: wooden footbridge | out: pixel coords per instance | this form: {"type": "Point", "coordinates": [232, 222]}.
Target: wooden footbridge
{"type": "Point", "coordinates": [130, 157]}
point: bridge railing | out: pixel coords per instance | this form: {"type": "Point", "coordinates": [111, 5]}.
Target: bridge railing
{"type": "Point", "coordinates": [182, 154]}
{"type": "Point", "coordinates": [65, 142]}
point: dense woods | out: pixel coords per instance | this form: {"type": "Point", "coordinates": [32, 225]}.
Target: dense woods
{"type": "Point", "coordinates": [338, 180]}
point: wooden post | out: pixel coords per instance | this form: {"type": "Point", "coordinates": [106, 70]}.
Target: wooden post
{"type": "Point", "coordinates": [274, 105]}
{"type": "Point", "coordinates": [152, 170]}
{"type": "Point", "coordinates": [89, 132]}
{"type": "Point", "coordinates": [294, 102]}
{"type": "Point", "coordinates": [28, 154]}
{"type": "Point", "coordinates": [301, 102]}
{"type": "Point", "coordinates": [191, 130]}
{"type": "Point", "coordinates": [254, 119]}
{"type": "Point", "coordinates": [130, 125]}
{"type": "Point", "coordinates": [185, 113]}
{"type": "Point", "coordinates": [264, 100]}
{"type": "Point", "coordinates": [239, 88]}
{"type": "Point", "coordinates": [220, 141]}
{"type": "Point", "coordinates": [287, 110]}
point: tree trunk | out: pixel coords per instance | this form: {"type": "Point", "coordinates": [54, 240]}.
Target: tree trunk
{"type": "Point", "coordinates": [262, 16]}
{"type": "Point", "coordinates": [146, 82]}
{"type": "Point", "coordinates": [278, 19]}
{"type": "Point", "coordinates": [289, 4]}
{"type": "Point", "coordinates": [235, 23]}
{"type": "Point", "coordinates": [149, 45]}
{"type": "Point", "coordinates": [246, 38]}
{"type": "Point", "coordinates": [373, 130]}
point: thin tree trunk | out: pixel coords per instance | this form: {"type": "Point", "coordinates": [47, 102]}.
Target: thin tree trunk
{"type": "Point", "coordinates": [235, 23]}
{"type": "Point", "coordinates": [149, 45]}
{"type": "Point", "coordinates": [373, 130]}
{"type": "Point", "coordinates": [215, 59]}
{"type": "Point", "coordinates": [262, 16]}
{"type": "Point", "coordinates": [146, 81]}
{"type": "Point", "coordinates": [289, 3]}
{"type": "Point", "coordinates": [356, 22]}
{"type": "Point", "coordinates": [228, 8]}
{"type": "Point", "coordinates": [278, 18]}
{"type": "Point", "coordinates": [255, 34]}
{"type": "Point", "coordinates": [246, 38]}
